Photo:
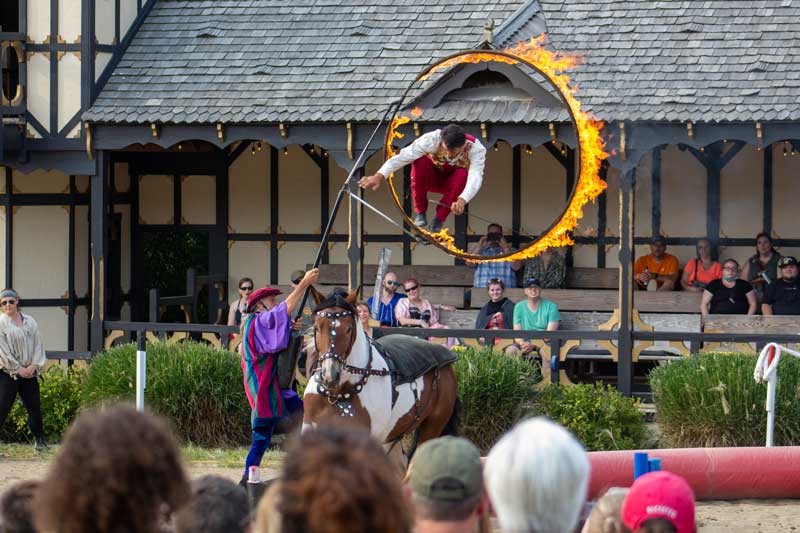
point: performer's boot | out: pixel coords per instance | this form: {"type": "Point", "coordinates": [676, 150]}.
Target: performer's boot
{"type": "Point", "coordinates": [420, 220]}
{"type": "Point", "coordinates": [436, 225]}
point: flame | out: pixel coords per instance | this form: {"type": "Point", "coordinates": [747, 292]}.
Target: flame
{"type": "Point", "coordinates": [416, 112]}
{"type": "Point", "coordinates": [592, 147]}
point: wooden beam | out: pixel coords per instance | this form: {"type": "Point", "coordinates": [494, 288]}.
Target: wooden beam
{"type": "Point", "coordinates": [625, 302]}
{"type": "Point", "coordinates": [99, 218]}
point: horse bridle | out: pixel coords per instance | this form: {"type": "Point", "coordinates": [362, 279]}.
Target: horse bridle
{"type": "Point", "coordinates": [342, 400]}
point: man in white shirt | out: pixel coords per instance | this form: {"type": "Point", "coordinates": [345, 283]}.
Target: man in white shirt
{"type": "Point", "coordinates": [448, 161]}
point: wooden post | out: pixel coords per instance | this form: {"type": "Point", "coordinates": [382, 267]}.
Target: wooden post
{"type": "Point", "coordinates": [626, 223]}
{"type": "Point", "coordinates": [99, 231]}
{"type": "Point", "coordinates": [354, 262]}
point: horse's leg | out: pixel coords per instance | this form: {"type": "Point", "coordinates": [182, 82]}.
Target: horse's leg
{"type": "Point", "coordinates": [443, 408]}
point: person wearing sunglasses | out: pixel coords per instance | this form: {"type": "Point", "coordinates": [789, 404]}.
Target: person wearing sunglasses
{"type": "Point", "coordinates": [389, 300]}
{"type": "Point", "coordinates": [22, 358]}
{"type": "Point", "coordinates": [239, 305]}
{"type": "Point", "coordinates": [416, 311]}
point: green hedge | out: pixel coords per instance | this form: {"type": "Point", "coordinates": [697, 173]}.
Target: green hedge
{"type": "Point", "coordinates": [495, 392]}
{"type": "Point", "coordinates": [197, 387]}
{"type": "Point", "coordinates": [713, 400]}
{"type": "Point", "coordinates": [598, 415]}
{"type": "Point", "coordinates": [60, 393]}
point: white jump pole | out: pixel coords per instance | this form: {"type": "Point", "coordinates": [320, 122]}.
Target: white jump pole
{"type": "Point", "coordinates": [767, 370]}
{"type": "Point", "coordinates": [141, 369]}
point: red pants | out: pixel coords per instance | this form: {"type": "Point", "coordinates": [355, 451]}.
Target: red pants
{"type": "Point", "coordinates": [425, 177]}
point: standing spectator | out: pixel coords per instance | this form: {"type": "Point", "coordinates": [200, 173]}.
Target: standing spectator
{"type": "Point", "coordinates": [534, 313]}
{"type": "Point", "coordinates": [117, 470]}
{"type": "Point", "coordinates": [389, 299]}
{"type": "Point", "coordinates": [536, 476]}
{"type": "Point", "coordinates": [338, 478]}
{"type": "Point", "coordinates": [782, 296]}
{"type": "Point", "coordinates": [761, 269]}
{"type": "Point", "coordinates": [491, 245]}
{"type": "Point", "coordinates": [416, 311]}
{"type": "Point", "coordinates": [657, 270]}
{"type": "Point", "coordinates": [16, 507]}
{"type": "Point", "coordinates": [217, 505]}
{"type": "Point", "coordinates": [729, 295]}
{"type": "Point", "coordinates": [701, 270]}
{"type": "Point", "coordinates": [498, 312]}
{"type": "Point", "coordinates": [606, 515]}
{"type": "Point", "coordinates": [239, 306]}
{"type": "Point", "coordinates": [446, 484]}
{"type": "Point", "coordinates": [549, 267]}
{"type": "Point", "coordinates": [22, 359]}
{"type": "Point", "coordinates": [659, 501]}
{"type": "Point", "coordinates": [362, 309]}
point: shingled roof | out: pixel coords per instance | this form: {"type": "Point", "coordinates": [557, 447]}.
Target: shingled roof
{"type": "Point", "coordinates": [257, 61]}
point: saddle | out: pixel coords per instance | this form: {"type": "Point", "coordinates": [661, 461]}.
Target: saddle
{"type": "Point", "coordinates": [410, 357]}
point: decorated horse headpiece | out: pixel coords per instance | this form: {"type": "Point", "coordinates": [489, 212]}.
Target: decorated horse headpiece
{"type": "Point", "coordinates": [324, 310]}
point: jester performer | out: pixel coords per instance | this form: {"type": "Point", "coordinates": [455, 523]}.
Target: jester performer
{"type": "Point", "coordinates": [265, 332]}
{"type": "Point", "coordinates": [448, 161]}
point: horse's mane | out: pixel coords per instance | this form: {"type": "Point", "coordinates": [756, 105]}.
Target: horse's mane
{"type": "Point", "coordinates": [337, 298]}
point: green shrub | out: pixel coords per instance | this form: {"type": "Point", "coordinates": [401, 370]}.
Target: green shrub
{"type": "Point", "coordinates": [494, 390]}
{"type": "Point", "coordinates": [598, 415]}
{"type": "Point", "coordinates": [713, 400]}
{"type": "Point", "coordinates": [60, 393]}
{"type": "Point", "coordinates": [199, 388]}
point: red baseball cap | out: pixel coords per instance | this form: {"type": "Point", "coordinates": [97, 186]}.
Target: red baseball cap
{"type": "Point", "coordinates": [260, 294]}
{"type": "Point", "coordinates": [660, 495]}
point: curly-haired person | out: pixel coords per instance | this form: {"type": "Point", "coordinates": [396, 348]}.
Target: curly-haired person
{"type": "Point", "coordinates": [16, 507]}
{"type": "Point", "coordinates": [337, 480]}
{"type": "Point", "coordinates": [118, 471]}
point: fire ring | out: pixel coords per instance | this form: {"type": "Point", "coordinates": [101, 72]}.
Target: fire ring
{"type": "Point", "coordinates": [590, 147]}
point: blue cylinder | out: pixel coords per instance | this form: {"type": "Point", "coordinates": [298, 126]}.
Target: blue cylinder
{"type": "Point", "coordinates": [640, 464]}
{"type": "Point", "coordinates": [654, 464]}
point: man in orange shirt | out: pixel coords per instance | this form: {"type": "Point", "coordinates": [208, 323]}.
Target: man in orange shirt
{"type": "Point", "coordinates": [657, 270]}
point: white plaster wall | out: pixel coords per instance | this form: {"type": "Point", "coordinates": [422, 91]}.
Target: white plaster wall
{"type": "Point", "coordinates": [125, 245]}
{"type": "Point", "coordinates": [785, 193]}
{"type": "Point", "coordinates": [82, 184]}
{"type": "Point", "coordinates": [69, 88]}
{"type": "Point", "coordinates": [295, 256]}
{"type": "Point", "coordinates": [156, 199]}
{"type": "Point", "coordinates": [127, 14]}
{"type": "Point", "coordinates": [643, 199]}
{"type": "Point", "coordinates": [298, 192]}
{"type": "Point", "coordinates": [584, 255]}
{"type": "Point", "coordinates": [429, 255]}
{"type": "Point", "coordinates": [81, 250]}
{"type": "Point", "coordinates": [543, 191]}
{"type": "Point", "coordinates": [198, 199]}
{"type": "Point", "coordinates": [40, 181]}
{"type": "Point", "coordinates": [53, 323]}
{"type": "Point", "coordinates": [69, 20]}
{"type": "Point", "coordinates": [683, 194]}
{"type": "Point", "coordinates": [372, 253]}
{"type": "Point", "coordinates": [38, 22]}
{"type": "Point", "coordinates": [247, 259]}
{"type": "Point", "coordinates": [248, 192]}
{"type": "Point", "coordinates": [100, 63]}
{"type": "Point", "coordinates": [741, 194]}
{"type": "Point", "coordinates": [104, 21]}
{"type": "Point", "coordinates": [122, 180]}
{"type": "Point", "coordinates": [81, 331]}
{"type": "Point", "coordinates": [381, 199]}
{"type": "Point", "coordinates": [493, 201]}
{"type": "Point", "coordinates": [38, 90]}
{"type": "Point", "coordinates": [41, 242]}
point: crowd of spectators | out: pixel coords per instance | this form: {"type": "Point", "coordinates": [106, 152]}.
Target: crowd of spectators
{"type": "Point", "coordinates": [120, 470]}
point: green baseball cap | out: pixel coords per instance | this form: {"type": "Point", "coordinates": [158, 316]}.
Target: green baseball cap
{"type": "Point", "coordinates": [447, 468]}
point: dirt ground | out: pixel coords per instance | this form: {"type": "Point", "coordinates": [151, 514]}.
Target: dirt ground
{"type": "Point", "coordinates": [751, 516]}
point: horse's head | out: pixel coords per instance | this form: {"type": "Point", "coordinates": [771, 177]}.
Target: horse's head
{"type": "Point", "coordinates": [335, 330]}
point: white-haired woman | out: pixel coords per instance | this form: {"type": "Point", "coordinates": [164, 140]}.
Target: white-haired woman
{"type": "Point", "coordinates": [536, 476]}
{"type": "Point", "coordinates": [21, 361]}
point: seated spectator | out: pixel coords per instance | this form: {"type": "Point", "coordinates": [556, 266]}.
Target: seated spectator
{"type": "Point", "coordinates": [761, 269]}
{"type": "Point", "coordinates": [239, 306]}
{"type": "Point", "coordinates": [16, 507]}
{"type": "Point", "coordinates": [606, 515]}
{"type": "Point", "coordinates": [446, 483]}
{"type": "Point", "coordinates": [217, 505]}
{"type": "Point", "coordinates": [498, 312]}
{"type": "Point", "coordinates": [549, 267]}
{"type": "Point", "coordinates": [782, 296]}
{"type": "Point", "coordinates": [416, 311]}
{"type": "Point", "coordinates": [534, 313]}
{"type": "Point", "coordinates": [536, 476]}
{"type": "Point", "coordinates": [118, 470]}
{"type": "Point", "coordinates": [729, 295]}
{"type": "Point", "coordinates": [363, 315]}
{"type": "Point", "coordinates": [701, 270]}
{"type": "Point", "coordinates": [658, 270]}
{"type": "Point", "coordinates": [491, 245]}
{"type": "Point", "coordinates": [389, 299]}
{"type": "Point", "coordinates": [337, 478]}
{"type": "Point", "coordinates": [659, 502]}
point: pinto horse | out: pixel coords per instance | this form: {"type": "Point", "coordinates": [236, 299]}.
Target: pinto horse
{"type": "Point", "coordinates": [393, 386]}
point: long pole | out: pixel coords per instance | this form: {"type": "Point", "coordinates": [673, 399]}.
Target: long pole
{"type": "Point", "coordinates": [141, 368]}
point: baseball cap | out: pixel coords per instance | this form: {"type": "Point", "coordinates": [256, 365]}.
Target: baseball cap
{"type": "Point", "coordinates": [532, 281]}
{"type": "Point", "coordinates": [660, 495]}
{"type": "Point", "coordinates": [447, 468]}
{"type": "Point", "coordinates": [297, 275]}
{"type": "Point", "coordinates": [787, 260]}
{"type": "Point", "coordinates": [658, 238]}
{"type": "Point", "coordinates": [260, 294]}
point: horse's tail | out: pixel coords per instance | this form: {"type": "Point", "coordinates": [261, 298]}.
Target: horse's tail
{"type": "Point", "coordinates": [454, 423]}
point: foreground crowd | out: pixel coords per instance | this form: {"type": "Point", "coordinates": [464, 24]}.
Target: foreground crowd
{"type": "Point", "coordinates": [120, 471]}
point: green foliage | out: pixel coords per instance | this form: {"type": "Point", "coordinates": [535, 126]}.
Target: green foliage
{"type": "Point", "coordinates": [60, 393]}
{"type": "Point", "coordinates": [713, 400]}
{"type": "Point", "coordinates": [494, 389]}
{"type": "Point", "coordinates": [197, 387]}
{"type": "Point", "coordinates": [598, 415]}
